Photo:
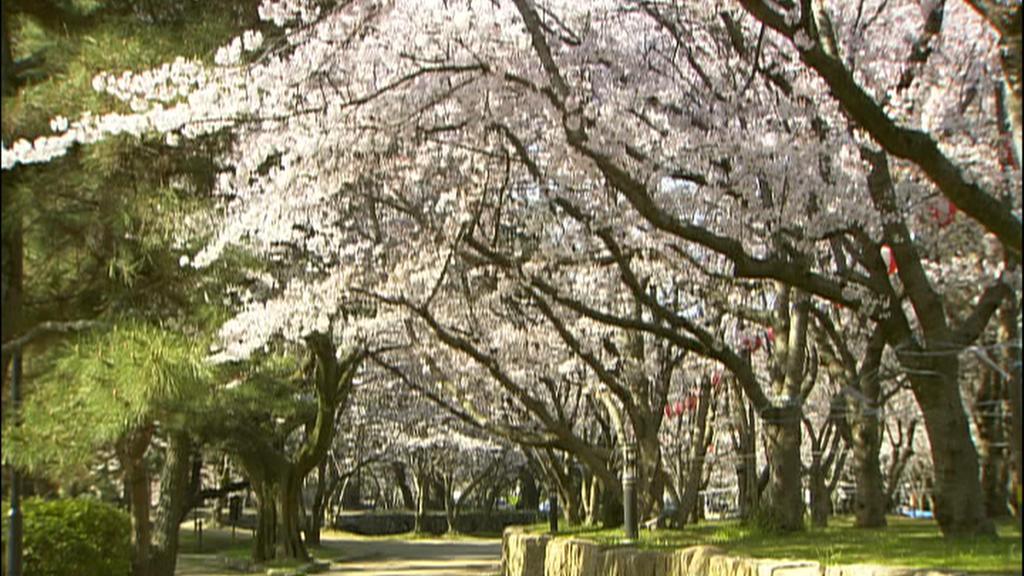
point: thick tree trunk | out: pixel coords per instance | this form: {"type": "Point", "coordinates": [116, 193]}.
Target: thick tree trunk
{"type": "Point", "coordinates": [959, 501]}
{"type": "Point", "coordinates": [744, 432]}
{"type": "Point", "coordinates": [784, 505]}
{"type": "Point", "coordinates": [11, 243]}
{"type": "Point", "coordinates": [1010, 55]}
{"type": "Point", "coordinates": [821, 504]}
{"type": "Point", "coordinates": [611, 509]}
{"type": "Point", "coordinates": [651, 488]}
{"type": "Point", "coordinates": [419, 523]}
{"type": "Point", "coordinates": [450, 506]}
{"type": "Point", "coordinates": [266, 521]}
{"type": "Point", "coordinates": [408, 500]}
{"type": "Point", "coordinates": [747, 475]}
{"type": "Point", "coordinates": [694, 481]}
{"type": "Point", "coordinates": [131, 451]}
{"type": "Point", "coordinates": [317, 510]}
{"type": "Point", "coordinates": [989, 418]}
{"type": "Point", "coordinates": [591, 497]}
{"type": "Point", "coordinates": [1009, 333]}
{"type": "Point", "coordinates": [174, 483]}
{"type": "Point", "coordinates": [865, 430]}
{"type": "Point", "coordinates": [529, 494]}
{"type": "Point", "coordinates": [289, 544]}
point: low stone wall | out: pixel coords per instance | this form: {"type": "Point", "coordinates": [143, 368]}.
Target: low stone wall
{"type": "Point", "coordinates": [525, 554]}
{"type": "Point", "coordinates": [398, 522]}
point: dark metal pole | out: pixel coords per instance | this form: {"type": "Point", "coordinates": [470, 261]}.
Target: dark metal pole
{"type": "Point", "coordinates": [629, 492]}
{"type": "Point", "coordinates": [15, 532]}
{"type": "Point", "coordinates": [553, 513]}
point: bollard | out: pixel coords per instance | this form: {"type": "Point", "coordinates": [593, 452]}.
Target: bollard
{"type": "Point", "coordinates": [629, 512]}
{"type": "Point", "coordinates": [553, 513]}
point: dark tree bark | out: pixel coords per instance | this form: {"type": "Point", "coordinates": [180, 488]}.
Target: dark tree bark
{"type": "Point", "coordinates": [959, 500]}
{"type": "Point", "coordinates": [422, 481]}
{"type": "Point", "coordinates": [1009, 335]}
{"type": "Point", "coordinates": [857, 413]}
{"type": "Point", "coordinates": [12, 257]}
{"type": "Point", "coordinates": [558, 474]}
{"type": "Point", "coordinates": [317, 510]}
{"type": "Point", "coordinates": [901, 449]}
{"type": "Point", "coordinates": [171, 509]}
{"type": "Point", "coordinates": [864, 413]}
{"type": "Point", "coordinates": [695, 467]}
{"type": "Point", "coordinates": [989, 417]}
{"type": "Point", "coordinates": [276, 477]}
{"type": "Point", "coordinates": [743, 427]}
{"type": "Point", "coordinates": [828, 457]}
{"type": "Point", "coordinates": [408, 500]}
{"type": "Point", "coordinates": [908, 143]}
{"type": "Point", "coordinates": [933, 366]}
{"type": "Point", "coordinates": [784, 506]}
{"type": "Point", "coordinates": [529, 495]}
{"type": "Point", "coordinates": [131, 452]}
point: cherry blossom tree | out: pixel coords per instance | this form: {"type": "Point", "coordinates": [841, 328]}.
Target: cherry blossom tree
{"type": "Point", "coordinates": [397, 162]}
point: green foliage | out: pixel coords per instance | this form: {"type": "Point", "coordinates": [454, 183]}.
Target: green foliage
{"type": "Point", "coordinates": [100, 386]}
{"type": "Point", "coordinates": [270, 398]}
{"type": "Point", "coordinates": [101, 226]}
{"type": "Point", "coordinates": [85, 37]}
{"type": "Point", "coordinates": [79, 537]}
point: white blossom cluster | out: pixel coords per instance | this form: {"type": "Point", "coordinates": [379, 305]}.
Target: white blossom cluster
{"type": "Point", "coordinates": [387, 136]}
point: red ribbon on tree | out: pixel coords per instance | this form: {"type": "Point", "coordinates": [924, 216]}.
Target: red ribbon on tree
{"type": "Point", "coordinates": [691, 403]}
{"type": "Point", "coordinates": [889, 258]}
{"type": "Point", "coordinates": [943, 212]}
{"type": "Point", "coordinates": [750, 342]}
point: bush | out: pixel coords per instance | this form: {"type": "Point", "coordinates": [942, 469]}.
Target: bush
{"type": "Point", "coordinates": [77, 537]}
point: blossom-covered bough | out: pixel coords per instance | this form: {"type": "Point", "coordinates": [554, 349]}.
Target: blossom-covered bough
{"type": "Point", "coordinates": [519, 182]}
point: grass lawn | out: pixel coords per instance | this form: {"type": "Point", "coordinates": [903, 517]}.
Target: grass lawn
{"type": "Point", "coordinates": [906, 542]}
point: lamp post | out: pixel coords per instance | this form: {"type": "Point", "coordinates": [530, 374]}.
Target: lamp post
{"type": "Point", "coordinates": [629, 512]}
{"type": "Point", "coordinates": [15, 532]}
{"type": "Point", "coordinates": [553, 512]}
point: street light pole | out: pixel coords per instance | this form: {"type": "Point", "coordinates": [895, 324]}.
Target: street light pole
{"type": "Point", "coordinates": [14, 541]}
{"type": "Point", "coordinates": [629, 491]}
{"type": "Point", "coordinates": [553, 512]}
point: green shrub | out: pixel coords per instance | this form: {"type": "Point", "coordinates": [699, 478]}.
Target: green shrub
{"type": "Point", "coordinates": [77, 537]}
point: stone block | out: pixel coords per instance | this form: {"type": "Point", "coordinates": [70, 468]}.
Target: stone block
{"type": "Point", "coordinates": [632, 562]}
{"type": "Point", "coordinates": [572, 557]}
{"type": "Point", "coordinates": [788, 568]}
{"type": "Point", "coordinates": [692, 561]}
{"type": "Point", "coordinates": [522, 554]}
{"type": "Point", "coordinates": [731, 566]}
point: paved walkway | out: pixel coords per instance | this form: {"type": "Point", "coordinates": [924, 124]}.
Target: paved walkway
{"type": "Point", "coordinates": [362, 556]}
{"type": "Point", "coordinates": [379, 557]}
